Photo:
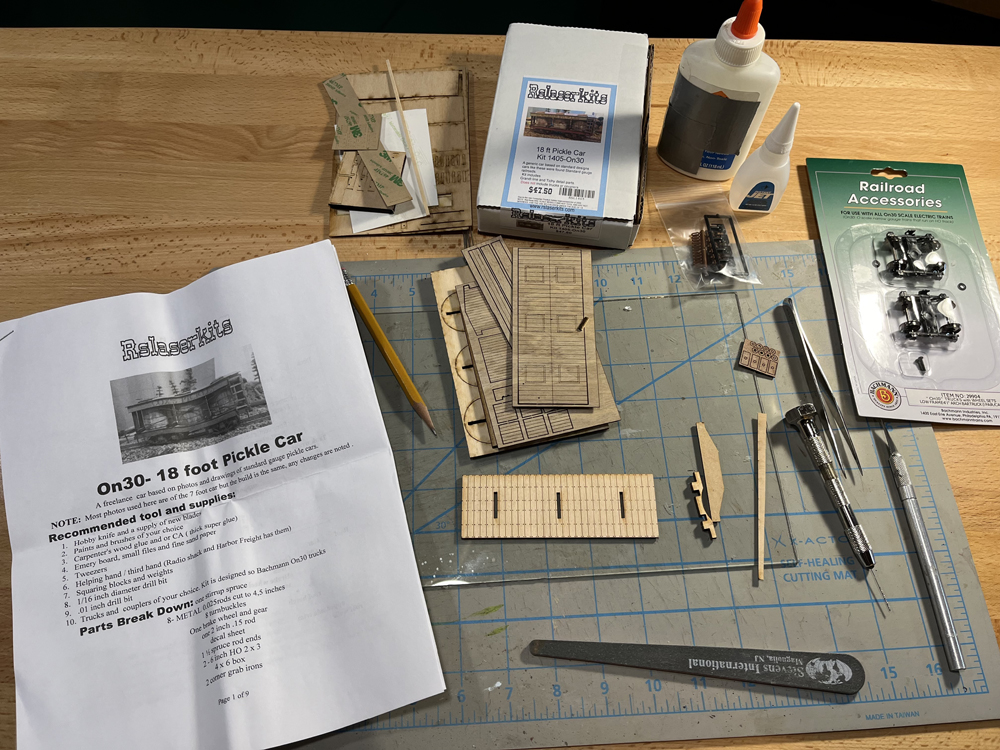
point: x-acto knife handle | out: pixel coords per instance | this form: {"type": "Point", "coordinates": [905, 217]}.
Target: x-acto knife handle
{"type": "Point", "coordinates": [832, 673]}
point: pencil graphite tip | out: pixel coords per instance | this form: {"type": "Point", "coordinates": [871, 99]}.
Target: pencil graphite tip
{"type": "Point", "coordinates": [425, 414]}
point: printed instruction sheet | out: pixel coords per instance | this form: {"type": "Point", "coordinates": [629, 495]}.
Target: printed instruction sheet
{"type": "Point", "coordinates": [209, 544]}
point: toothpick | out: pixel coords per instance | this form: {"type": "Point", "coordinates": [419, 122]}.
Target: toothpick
{"type": "Point", "coordinates": [409, 144]}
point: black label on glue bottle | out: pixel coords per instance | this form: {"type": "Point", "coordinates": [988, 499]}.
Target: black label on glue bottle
{"type": "Point", "coordinates": [759, 197]}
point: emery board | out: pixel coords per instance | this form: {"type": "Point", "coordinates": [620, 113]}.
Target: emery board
{"type": "Point", "coordinates": [554, 355]}
{"type": "Point", "coordinates": [491, 356]}
{"type": "Point", "coordinates": [553, 506]}
{"type": "Point", "coordinates": [633, 589]}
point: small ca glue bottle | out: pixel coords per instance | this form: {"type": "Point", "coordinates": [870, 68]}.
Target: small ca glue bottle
{"type": "Point", "coordinates": [720, 95]}
{"type": "Point", "coordinates": [761, 181]}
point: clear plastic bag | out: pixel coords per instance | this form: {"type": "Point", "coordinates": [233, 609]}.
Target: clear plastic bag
{"type": "Point", "coordinates": [707, 240]}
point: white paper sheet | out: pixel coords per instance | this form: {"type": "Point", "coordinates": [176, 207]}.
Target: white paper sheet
{"type": "Point", "coordinates": [392, 138]}
{"type": "Point", "coordinates": [254, 582]}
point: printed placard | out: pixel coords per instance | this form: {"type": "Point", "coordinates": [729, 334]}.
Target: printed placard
{"type": "Point", "coordinates": [560, 151]}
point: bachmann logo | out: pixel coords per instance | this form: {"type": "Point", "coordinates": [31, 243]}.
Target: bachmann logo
{"type": "Point", "coordinates": [884, 395]}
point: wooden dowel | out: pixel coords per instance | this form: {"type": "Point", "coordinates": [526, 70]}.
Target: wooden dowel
{"type": "Point", "coordinates": [409, 143]}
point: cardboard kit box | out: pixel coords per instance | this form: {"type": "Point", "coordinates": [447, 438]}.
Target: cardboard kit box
{"type": "Point", "coordinates": [565, 155]}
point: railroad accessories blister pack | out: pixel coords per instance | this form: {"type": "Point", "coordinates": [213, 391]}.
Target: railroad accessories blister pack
{"type": "Point", "coordinates": [916, 298]}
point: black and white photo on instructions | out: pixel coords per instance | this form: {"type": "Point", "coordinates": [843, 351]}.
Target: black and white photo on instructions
{"type": "Point", "coordinates": [173, 411]}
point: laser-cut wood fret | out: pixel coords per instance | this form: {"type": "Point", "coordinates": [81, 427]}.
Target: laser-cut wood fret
{"type": "Point", "coordinates": [491, 360]}
{"type": "Point", "coordinates": [492, 266]}
{"type": "Point", "coordinates": [549, 506]}
{"type": "Point", "coordinates": [554, 350]}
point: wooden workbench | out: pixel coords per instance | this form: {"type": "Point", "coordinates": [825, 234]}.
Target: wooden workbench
{"type": "Point", "coordinates": [138, 160]}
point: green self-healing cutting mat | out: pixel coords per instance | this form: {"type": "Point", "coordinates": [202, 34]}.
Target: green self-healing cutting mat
{"type": "Point", "coordinates": [670, 360]}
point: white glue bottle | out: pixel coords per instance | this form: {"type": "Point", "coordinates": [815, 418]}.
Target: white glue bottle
{"type": "Point", "coordinates": [761, 181]}
{"type": "Point", "coordinates": [720, 95]}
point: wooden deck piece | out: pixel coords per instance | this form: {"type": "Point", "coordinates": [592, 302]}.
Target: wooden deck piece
{"type": "Point", "coordinates": [549, 506]}
{"type": "Point", "coordinates": [761, 477]}
{"type": "Point", "coordinates": [554, 350]}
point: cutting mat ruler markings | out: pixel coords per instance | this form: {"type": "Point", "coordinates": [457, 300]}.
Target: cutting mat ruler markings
{"type": "Point", "coordinates": [820, 604]}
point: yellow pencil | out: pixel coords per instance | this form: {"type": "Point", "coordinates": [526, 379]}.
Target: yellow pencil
{"type": "Point", "coordinates": [391, 358]}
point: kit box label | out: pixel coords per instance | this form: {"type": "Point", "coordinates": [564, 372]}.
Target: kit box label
{"type": "Point", "coordinates": [560, 151]}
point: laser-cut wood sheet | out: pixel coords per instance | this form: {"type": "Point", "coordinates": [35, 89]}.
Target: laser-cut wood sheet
{"type": "Point", "coordinates": [554, 353]}
{"type": "Point", "coordinates": [491, 356]}
{"type": "Point", "coordinates": [492, 265]}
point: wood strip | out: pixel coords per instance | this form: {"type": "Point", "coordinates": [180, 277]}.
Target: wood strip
{"type": "Point", "coordinates": [761, 478]}
{"type": "Point", "coordinates": [554, 348]}
{"type": "Point", "coordinates": [559, 506]}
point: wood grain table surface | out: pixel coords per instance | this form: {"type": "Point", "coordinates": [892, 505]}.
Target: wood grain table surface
{"type": "Point", "coordinates": [138, 160]}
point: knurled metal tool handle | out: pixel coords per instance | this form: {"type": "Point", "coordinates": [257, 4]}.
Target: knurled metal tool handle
{"type": "Point", "coordinates": [824, 464]}
{"type": "Point", "coordinates": [928, 564]}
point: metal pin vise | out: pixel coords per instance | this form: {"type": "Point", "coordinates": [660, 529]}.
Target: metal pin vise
{"type": "Point", "coordinates": [803, 419]}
